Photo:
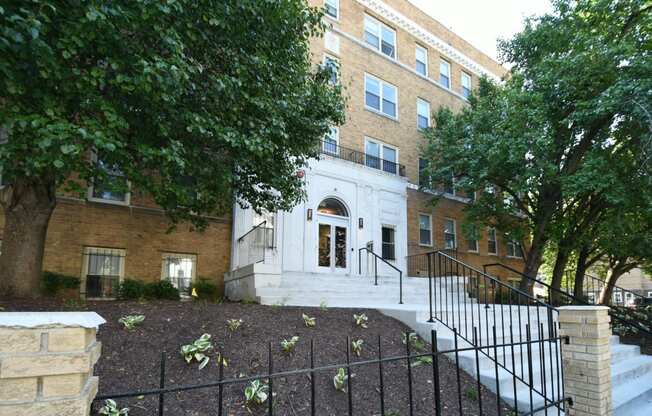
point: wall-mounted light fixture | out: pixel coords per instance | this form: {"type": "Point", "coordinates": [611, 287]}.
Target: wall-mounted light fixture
{"type": "Point", "coordinates": [309, 214]}
{"type": "Point", "coordinates": [360, 222]}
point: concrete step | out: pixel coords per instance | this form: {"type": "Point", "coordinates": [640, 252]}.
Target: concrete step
{"type": "Point", "coordinates": [622, 352]}
{"type": "Point", "coordinates": [633, 398]}
{"type": "Point", "coordinates": [631, 369]}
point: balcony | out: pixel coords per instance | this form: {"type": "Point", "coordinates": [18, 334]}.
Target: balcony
{"type": "Point", "coordinates": [332, 149]}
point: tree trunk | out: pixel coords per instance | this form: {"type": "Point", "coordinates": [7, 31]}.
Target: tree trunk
{"type": "Point", "coordinates": [580, 271]}
{"type": "Point", "coordinates": [558, 275]}
{"type": "Point", "coordinates": [532, 264]}
{"type": "Point", "coordinates": [27, 207]}
{"type": "Point", "coordinates": [607, 291]}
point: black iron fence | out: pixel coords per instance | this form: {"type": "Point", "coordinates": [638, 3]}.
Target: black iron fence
{"type": "Point", "coordinates": [592, 287]}
{"type": "Point", "coordinates": [427, 355]}
{"type": "Point", "coordinates": [331, 148]}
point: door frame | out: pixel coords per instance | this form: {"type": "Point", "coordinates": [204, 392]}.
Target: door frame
{"type": "Point", "coordinates": [334, 221]}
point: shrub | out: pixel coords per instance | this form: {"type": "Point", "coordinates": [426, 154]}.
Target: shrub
{"type": "Point", "coordinates": [256, 393]}
{"type": "Point", "coordinates": [131, 289]}
{"type": "Point", "coordinates": [163, 289]}
{"type": "Point", "coordinates": [206, 290]}
{"type": "Point", "coordinates": [110, 408]}
{"type": "Point", "coordinates": [131, 321]}
{"type": "Point", "coordinates": [198, 350]}
{"type": "Point", "coordinates": [53, 283]}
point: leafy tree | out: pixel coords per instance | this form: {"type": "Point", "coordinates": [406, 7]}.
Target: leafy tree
{"type": "Point", "coordinates": [578, 92]}
{"type": "Point", "coordinates": [197, 103]}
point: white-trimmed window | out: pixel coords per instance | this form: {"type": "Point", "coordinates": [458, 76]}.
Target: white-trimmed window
{"type": "Point", "coordinates": [381, 156]}
{"type": "Point", "coordinates": [380, 36]}
{"type": "Point", "coordinates": [492, 241]}
{"type": "Point", "coordinates": [649, 294]}
{"type": "Point", "coordinates": [380, 96]}
{"type": "Point", "coordinates": [109, 190]}
{"type": "Point", "coordinates": [450, 235]}
{"type": "Point", "coordinates": [425, 230]}
{"type": "Point", "coordinates": [333, 65]}
{"type": "Point", "coordinates": [179, 269]}
{"type": "Point", "coordinates": [332, 8]}
{"type": "Point", "coordinates": [331, 141]}
{"type": "Point", "coordinates": [629, 298]}
{"type": "Point", "coordinates": [514, 249]}
{"type": "Point", "coordinates": [465, 82]}
{"type": "Point", "coordinates": [618, 297]}
{"type": "Point", "coordinates": [102, 271]}
{"type": "Point", "coordinates": [388, 242]}
{"type": "Point", "coordinates": [423, 114]}
{"type": "Point", "coordinates": [421, 58]}
{"type": "Point", "coordinates": [472, 240]}
{"type": "Point", "coordinates": [445, 73]}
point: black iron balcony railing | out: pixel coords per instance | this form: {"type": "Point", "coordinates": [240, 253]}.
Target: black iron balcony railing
{"type": "Point", "coordinates": [331, 148]}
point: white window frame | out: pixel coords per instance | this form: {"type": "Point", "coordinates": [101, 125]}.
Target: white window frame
{"type": "Point", "coordinates": [91, 186]}
{"type": "Point", "coordinates": [90, 250]}
{"type": "Point", "coordinates": [336, 5]}
{"type": "Point", "coordinates": [618, 297]}
{"type": "Point", "coordinates": [418, 49]}
{"type": "Point", "coordinates": [490, 231]}
{"type": "Point", "coordinates": [649, 294]}
{"type": "Point", "coordinates": [381, 148]}
{"type": "Point", "coordinates": [379, 35]}
{"type": "Point", "coordinates": [512, 246]}
{"type": "Point", "coordinates": [328, 57]}
{"type": "Point", "coordinates": [382, 243]}
{"type": "Point", "coordinates": [381, 91]}
{"type": "Point", "coordinates": [466, 75]}
{"type": "Point", "coordinates": [454, 233]}
{"type": "Point", "coordinates": [427, 116]}
{"type": "Point", "coordinates": [448, 75]}
{"type": "Point", "coordinates": [335, 135]}
{"type": "Point", "coordinates": [421, 243]}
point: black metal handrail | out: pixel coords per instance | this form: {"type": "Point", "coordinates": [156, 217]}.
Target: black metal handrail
{"type": "Point", "coordinates": [376, 258]}
{"type": "Point", "coordinates": [449, 283]}
{"type": "Point", "coordinates": [645, 327]}
{"type": "Point", "coordinates": [361, 158]}
{"type": "Point", "coordinates": [601, 283]}
{"type": "Point", "coordinates": [256, 240]}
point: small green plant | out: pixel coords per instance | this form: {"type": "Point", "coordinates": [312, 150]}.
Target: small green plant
{"type": "Point", "coordinates": [288, 345]}
{"type": "Point", "coordinates": [256, 393]}
{"type": "Point", "coordinates": [110, 408]}
{"type": "Point", "coordinates": [198, 350]}
{"type": "Point", "coordinates": [233, 324]}
{"type": "Point", "coordinates": [414, 340]}
{"type": "Point", "coordinates": [323, 305]}
{"type": "Point", "coordinates": [356, 346]}
{"type": "Point", "coordinates": [361, 320]}
{"type": "Point", "coordinates": [424, 360]}
{"type": "Point", "coordinates": [339, 380]}
{"type": "Point", "coordinates": [131, 321]}
{"type": "Point", "coordinates": [471, 394]}
{"type": "Point", "coordinates": [308, 321]}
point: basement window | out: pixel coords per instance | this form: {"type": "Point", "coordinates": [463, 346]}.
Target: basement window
{"type": "Point", "coordinates": [179, 269]}
{"type": "Point", "coordinates": [103, 270]}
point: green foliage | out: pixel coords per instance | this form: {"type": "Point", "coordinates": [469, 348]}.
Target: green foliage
{"type": "Point", "coordinates": [206, 290]}
{"type": "Point", "coordinates": [340, 379]}
{"type": "Point", "coordinates": [233, 324]}
{"type": "Point", "coordinates": [131, 289]}
{"type": "Point", "coordinates": [423, 360]}
{"type": "Point", "coordinates": [415, 342]}
{"type": "Point", "coordinates": [256, 393]}
{"type": "Point", "coordinates": [131, 321]}
{"type": "Point", "coordinates": [287, 345]}
{"type": "Point", "coordinates": [137, 289]}
{"type": "Point", "coordinates": [471, 394]}
{"type": "Point", "coordinates": [308, 321]}
{"type": "Point", "coordinates": [356, 347]}
{"type": "Point", "coordinates": [52, 283]}
{"type": "Point", "coordinates": [361, 320]}
{"type": "Point", "coordinates": [198, 350]}
{"type": "Point", "coordinates": [323, 305]}
{"type": "Point", "coordinates": [110, 408]}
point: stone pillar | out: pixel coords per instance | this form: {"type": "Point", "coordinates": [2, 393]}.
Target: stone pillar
{"type": "Point", "coordinates": [46, 363]}
{"type": "Point", "coordinates": [587, 359]}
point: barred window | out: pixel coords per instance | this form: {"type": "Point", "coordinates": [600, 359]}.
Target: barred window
{"type": "Point", "coordinates": [179, 269]}
{"type": "Point", "coordinates": [103, 271]}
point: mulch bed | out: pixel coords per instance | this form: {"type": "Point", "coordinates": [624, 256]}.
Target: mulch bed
{"type": "Point", "coordinates": [130, 359]}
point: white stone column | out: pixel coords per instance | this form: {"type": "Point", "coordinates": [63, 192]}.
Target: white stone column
{"type": "Point", "coordinates": [587, 359]}
{"type": "Point", "coordinates": [46, 362]}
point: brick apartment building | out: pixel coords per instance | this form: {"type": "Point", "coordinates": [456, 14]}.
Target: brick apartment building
{"type": "Point", "coordinates": [397, 65]}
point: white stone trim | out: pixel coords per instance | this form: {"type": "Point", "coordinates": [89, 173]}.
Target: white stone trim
{"type": "Point", "coordinates": [50, 320]}
{"type": "Point", "coordinates": [426, 37]}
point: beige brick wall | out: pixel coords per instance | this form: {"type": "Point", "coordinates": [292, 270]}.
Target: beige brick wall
{"type": "Point", "coordinates": [47, 369]}
{"type": "Point", "coordinates": [586, 359]}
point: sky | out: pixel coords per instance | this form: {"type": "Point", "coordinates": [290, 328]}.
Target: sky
{"type": "Point", "coordinates": [483, 22]}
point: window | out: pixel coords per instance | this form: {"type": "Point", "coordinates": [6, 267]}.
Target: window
{"type": "Point", "coordinates": [381, 156]}
{"type": "Point", "coordinates": [492, 243]}
{"type": "Point", "coordinates": [423, 114]}
{"type": "Point", "coordinates": [112, 188]}
{"type": "Point", "coordinates": [629, 298]}
{"type": "Point", "coordinates": [472, 240]}
{"type": "Point", "coordinates": [449, 187]}
{"type": "Point", "coordinates": [514, 249]}
{"type": "Point", "coordinates": [330, 145]}
{"type": "Point", "coordinates": [103, 270]}
{"type": "Point", "coordinates": [333, 65]}
{"type": "Point", "coordinates": [466, 84]}
{"type": "Point", "coordinates": [421, 54]}
{"type": "Point", "coordinates": [618, 297]}
{"type": "Point", "coordinates": [380, 36]}
{"type": "Point", "coordinates": [380, 96]}
{"type": "Point", "coordinates": [450, 239]}
{"type": "Point", "coordinates": [445, 73]}
{"type": "Point", "coordinates": [389, 245]}
{"type": "Point", "coordinates": [179, 269]}
{"type": "Point", "coordinates": [425, 230]}
{"type": "Point", "coordinates": [649, 294]}
{"type": "Point", "coordinates": [424, 179]}
{"type": "Point", "coordinates": [332, 8]}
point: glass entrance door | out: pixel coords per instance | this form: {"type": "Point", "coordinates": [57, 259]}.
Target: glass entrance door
{"type": "Point", "coordinates": [332, 255]}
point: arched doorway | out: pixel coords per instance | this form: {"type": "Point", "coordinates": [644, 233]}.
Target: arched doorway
{"type": "Point", "coordinates": [333, 236]}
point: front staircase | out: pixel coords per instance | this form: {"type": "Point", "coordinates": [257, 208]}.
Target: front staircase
{"type": "Point", "coordinates": [631, 371]}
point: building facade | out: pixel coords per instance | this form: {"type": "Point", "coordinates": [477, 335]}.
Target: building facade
{"type": "Point", "coordinates": [397, 66]}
